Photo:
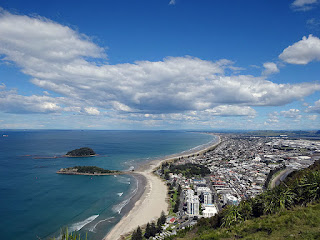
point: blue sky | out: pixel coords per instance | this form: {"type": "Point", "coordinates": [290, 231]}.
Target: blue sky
{"type": "Point", "coordinates": [160, 64]}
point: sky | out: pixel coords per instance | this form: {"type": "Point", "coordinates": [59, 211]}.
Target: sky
{"type": "Point", "coordinates": [160, 64]}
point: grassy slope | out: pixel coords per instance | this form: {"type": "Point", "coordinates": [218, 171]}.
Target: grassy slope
{"type": "Point", "coordinates": [300, 188]}
{"type": "Point", "coordinates": [299, 223]}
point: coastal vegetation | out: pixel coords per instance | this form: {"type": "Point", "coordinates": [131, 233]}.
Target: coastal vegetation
{"type": "Point", "coordinates": [151, 229]}
{"type": "Point", "coordinates": [81, 152]}
{"type": "Point", "coordinates": [281, 210]}
{"type": "Point", "coordinates": [174, 197]}
{"type": "Point", "coordinates": [87, 170]}
{"type": "Point", "coordinates": [65, 235]}
{"type": "Point", "coordinates": [188, 170]}
{"type": "Point", "coordinates": [297, 223]}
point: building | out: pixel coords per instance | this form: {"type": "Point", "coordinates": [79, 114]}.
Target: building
{"type": "Point", "coordinates": [207, 198]}
{"type": "Point", "coordinates": [230, 199]}
{"type": "Point", "coordinates": [209, 211]}
{"type": "Point", "coordinates": [193, 204]}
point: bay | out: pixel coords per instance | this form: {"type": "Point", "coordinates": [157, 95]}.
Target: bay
{"type": "Point", "coordinates": [36, 203]}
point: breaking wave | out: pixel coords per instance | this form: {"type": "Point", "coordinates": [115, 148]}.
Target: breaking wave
{"type": "Point", "coordinates": [79, 225]}
{"type": "Point", "coordinates": [94, 226]}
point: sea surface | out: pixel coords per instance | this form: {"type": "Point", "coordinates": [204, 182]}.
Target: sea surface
{"type": "Point", "coordinates": [36, 203]}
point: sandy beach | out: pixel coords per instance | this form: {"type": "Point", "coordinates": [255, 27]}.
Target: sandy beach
{"type": "Point", "coordinates": [153, 200]}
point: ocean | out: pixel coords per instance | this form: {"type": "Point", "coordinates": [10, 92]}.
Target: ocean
{"type": "Point", "coordinates": [36, 203]}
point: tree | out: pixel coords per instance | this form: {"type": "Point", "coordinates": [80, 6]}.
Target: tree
{"type": "Point", "coordinates": [176, 206]}
{"type": "Point", "coordinates": [153, 229]}
{"type": "Point", "coordinates": [147, 234]}
{"type": "Point", "coordinates": [166, 176]}
{"type": "Point", "coordinates": [159, 224]}
{"type": "Point", "coordinates": [163, 218]}
{"type": "Point", "coordinates": [138, 234]}
{"type": "Point", "coordinates": [179, 189]}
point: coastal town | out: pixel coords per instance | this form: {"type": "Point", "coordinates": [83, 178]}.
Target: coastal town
{"type": "Point", "coordinates": [239, 167]}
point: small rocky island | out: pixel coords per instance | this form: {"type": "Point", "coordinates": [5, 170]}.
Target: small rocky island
{"type": "Point", "coordinates": [81, 152]}
{"type": "Point", "coordinates": [88, 170]}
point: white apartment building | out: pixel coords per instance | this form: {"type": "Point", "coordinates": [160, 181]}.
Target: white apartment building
{"type": "Point", "coordinates": [193, 205]}
{"type": "Point", "coordinates": [207, 198]}
{"type": "Point", "coordinates": [209, 211]}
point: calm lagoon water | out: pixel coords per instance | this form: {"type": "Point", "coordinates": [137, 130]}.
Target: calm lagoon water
{"type": "Point", "coordinates": [35, 202]}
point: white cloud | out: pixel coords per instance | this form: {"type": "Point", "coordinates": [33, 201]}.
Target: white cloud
{"type": "Point", "coordinates": [312, 117]}
{"type": "Point", "coordinates": [31, 40]}
{"type": "Point", "coordinates": [12, 102]}
{"type": "Point", "coordinates": [272, 119]}
{"type": "Point", "coordinates": [313, 23]}
{"type": "Point", "coordinates": [172, 2]}
{"type": "Point", "coordinates": [302, 52]}
{"type": "Point", "coordinates": [121, 107]}
{"type": "Point", "coordinates": [315, 108]}
{"type": "Point", "coordinates": [229, 110]}
{"type": "Point", "coordinates": [304, 5]}
{"type": "Point", "coordinates": [56, 57]}
{"type": "Point", "coordinates": [92, 111]}
{"type": "Point", "coordinates": [255, 66]}
{"type": "Point", "coordinates": [291, 113]}
{"type": "Point", "coordinates": [270, 68]}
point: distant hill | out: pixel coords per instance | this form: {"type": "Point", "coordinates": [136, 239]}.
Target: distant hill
{"type": "Point", "coordinates": [81, 152]}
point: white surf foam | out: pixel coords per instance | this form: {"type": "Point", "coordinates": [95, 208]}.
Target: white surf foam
{"type": "Point", "coordinates": [94, 226]}
{"type": "Point", "coordinates": [117, 208]}
{"type": "Point", "coordinates": [79, 225]}
{"type": "Point", "coordinates": [121, 205]}
{"type": "Point", "coordinates": [124, 180]}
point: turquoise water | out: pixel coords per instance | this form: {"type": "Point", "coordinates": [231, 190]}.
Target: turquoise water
{"type": "Point", "coordinates": [36, 202]}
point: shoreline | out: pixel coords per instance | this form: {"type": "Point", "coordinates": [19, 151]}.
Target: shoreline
{"type": "Point", "coordinates": [153, 199]}
{"type": "Point", "coordinates": [94, 174]}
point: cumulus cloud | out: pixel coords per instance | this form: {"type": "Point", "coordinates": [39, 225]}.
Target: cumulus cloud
{"type": "Point", "coordinates": [63, 61]}
{"type": "Point", "coordinates": [270, 68]}
{"type": "Point", "coordinates": [12, 102]}
{"type": "Point", "coordinates": [315, 108]}
{"type": "Point", "coordinates": [92, 111]}
{"type": "Point", "coordinates": [229, 110]}
{"type": "Point", "coordinates": [291, 113]}
{"type": "Point", "coordinates": [304, 5]}
{"type": "Point", "coordinates": [30, 40]}
{"type": "Point", "coordinates": [273, 118]}
{"type": "Point", "coordinates": [172, 2]}
{"type": "Point", "coordinates": [302, 52]}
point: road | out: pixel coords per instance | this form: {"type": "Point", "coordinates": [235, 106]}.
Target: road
{"type": "Point", "coordinates": [279, 178]}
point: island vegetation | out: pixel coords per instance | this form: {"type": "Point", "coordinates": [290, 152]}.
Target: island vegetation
{"type": "Point", "coordinates": [87, 170]}
{"type": "Point", "coordinates": [81, 152]}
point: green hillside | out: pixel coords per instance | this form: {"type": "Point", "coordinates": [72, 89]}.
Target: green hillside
{"type": "Point", "coordinates": [289, 211]}
{"type": "Point", "coordinates": [298, 223]}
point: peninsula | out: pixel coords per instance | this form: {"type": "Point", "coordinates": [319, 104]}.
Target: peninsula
{"type": "Point", "coordinates": [81, 152]}
{"type": "Point", "coordinates": [89, 170]}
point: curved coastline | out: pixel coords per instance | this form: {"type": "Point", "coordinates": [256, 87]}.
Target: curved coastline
{"type": "Point", "coordinates": [153, 200]}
